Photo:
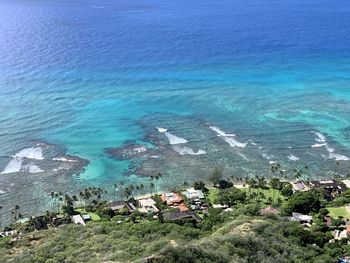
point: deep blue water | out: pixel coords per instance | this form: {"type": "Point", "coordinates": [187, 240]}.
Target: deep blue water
{"type": "Point", "coordinates": [89, 75]}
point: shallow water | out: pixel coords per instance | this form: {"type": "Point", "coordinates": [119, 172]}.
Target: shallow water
{"type": "Point", "coordinates": [270, 76]}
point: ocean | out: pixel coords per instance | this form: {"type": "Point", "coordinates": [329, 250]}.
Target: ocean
{"type": "Point", "coordinates": [98, 92]}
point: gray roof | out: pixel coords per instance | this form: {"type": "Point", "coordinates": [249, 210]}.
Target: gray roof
{"type": "Point", "coordinates": [174, 216]}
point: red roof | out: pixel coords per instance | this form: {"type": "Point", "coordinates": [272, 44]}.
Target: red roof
{"type": "Point", "coordinates": [171, 198]}
{"type": "Point", "coordinates": [183, 207]}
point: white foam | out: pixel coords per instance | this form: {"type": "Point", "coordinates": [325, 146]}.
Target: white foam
{"type": "Point", "coordinates": [329, 149]}
{"type": "Point", "coordinates": [293, 158]}
{"type": "Point", "coordinates": [140, 149]}
{"type": "Point", "coordinates": [272, 162]}
{"type": "Point", "coordinates": [320, 137]}
{"type": "Point", "coordinates": [184, 150]}
{"type": "Point", "coordinates": [220, 132]}
{"type": "Point", "coordinates": [31, 153]}
{"type": "Point", "coordinates": [228, 138]}
{"type": "Point", "coordinates": [33, 169]}
{"type": "Point", "coordinates": [2, 192]}
{"type": "Point", "coordinates": [173, 139]}
{"type": "Point", "coordinates": [162, 130]}
{"type": "Point", "coordinates": [14, 166]}
{"type": "Point", "coordinates": [338, 157]}
{"type": "Point", "coordinates": [64, 159]}
{"type": "Point", "coordinates": [266, 156]}
{"type": "Point", "coordinates": [317, 145]}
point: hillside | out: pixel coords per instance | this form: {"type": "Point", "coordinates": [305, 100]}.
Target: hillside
{"type": "Point", "coordinates": [238, 239]}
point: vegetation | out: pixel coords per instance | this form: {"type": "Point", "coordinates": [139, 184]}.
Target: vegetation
{"type": "Point", "coordinates": [336, 212]}
{"type": "Point", "coordinates": [238, 234]}
{"type": "Point", "coordinates": [303, 202]}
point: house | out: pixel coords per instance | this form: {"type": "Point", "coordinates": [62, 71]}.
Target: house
{"type": "Point", "coordinates": [179, 216]}
{"type": "Point", "coordinates": [118, 205]}
{"type": "Point", "coordinates": [301, 218]}
{"type": "Point", "coordinates": [174, 200]}
{"type": "Point", "coordinates": [86, 218]}
{"type": "Point", "coordinates": [345, 259]}
{"type": "Point", "coordinates": [78, 219]}
{"type": "Point", "coordinates": [196, 199]}
{"type": "Point", "coordinates": [331, 188]}
{"type": "Point", "coordinates": [191, 193]}
{"type": "Point", "coordinates": [338, 235]}
{"type": "Point", "coordinates": [269, 211]}
{"type": "Point", "coordinates": [240, 185]}
{"type": "Point", "coordinates": [299, 186]}
{"type": "Point", "coordinates": [171, 198]}
{"type": "Point", "coordinates": [220, 206]}
{"type": "Point", "coordinates": [346, 182]}
{"type": "Point", "coordinates": [147, 205]}
{"type": "Point", "coordinates": [8, 233]}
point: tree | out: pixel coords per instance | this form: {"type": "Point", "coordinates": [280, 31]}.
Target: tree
{"type": "Point", "coordinates": [0, 217]}
{"type": "Point", "coordinates": [151, 186]}
{"type": "Point", "coordinates": [287, 190]}
{"type": "Point", "coordinates": [303, 202]}
{"type": "Point", "coordinates": [216, 175]}
{"type": "Point", "coordinates": [16, 215]}
{"type": "Point", "coordinates": [198, 185]}
{"type": "Point", "coordinates": [231, 196]}
{"type": "Point", "coordinates": [261, 182]}
{"type": "Point", "coordinates": [115, 186]}
{"type": "Point", "coordinates": [223, 184]}
{"type": "Point", "coordinates": [275, 183]}
{"type": "Point", "coordinates": [57, 199]}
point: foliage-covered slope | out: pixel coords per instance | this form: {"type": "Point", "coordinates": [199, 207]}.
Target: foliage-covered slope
{"type": "Point", "coordinates": [239, 239]}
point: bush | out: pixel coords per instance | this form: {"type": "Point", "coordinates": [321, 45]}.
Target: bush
{"type": "Point", "coordinates": [231, 196]}
{"type": "Point", "coordinates": [303, 202]}
{"type": "Point", "coordinates": [223, 184]}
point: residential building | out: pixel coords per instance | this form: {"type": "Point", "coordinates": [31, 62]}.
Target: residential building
{"type": "Point", "coordinates": [301, 218]}
{"type": "Point", "coordinates": [191, 193]}
{"type": "Point", "coordinates": [299, 186]}
{"type": "Point", "coordinates": [331, 188]}
{"type": "Point", "coordinates": [179, 216]}
{"type": "Point", "coordinates": [147, 205]}
{"type": "Point", "coordinates": [118, 205]}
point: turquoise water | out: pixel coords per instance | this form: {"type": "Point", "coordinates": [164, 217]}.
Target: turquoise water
{"type": "Point", "coordinates": [87, 76]}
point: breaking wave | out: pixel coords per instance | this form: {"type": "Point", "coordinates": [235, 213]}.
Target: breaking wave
{"type": "Point", "coordinates": [228, 138]}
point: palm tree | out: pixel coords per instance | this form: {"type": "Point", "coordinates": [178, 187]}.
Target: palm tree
{"type": "Point", "coordinates": [261, 181]}
{"type": "Point", "coordinates": [121, 189]}
{"type": "Point", "coordinates": [151, 187]}
{"type": "Point", "coordinates": [16, 214]}
{"type": "Point", "coordinates": [336, 168]}
{"type": "Point", "coordinates": [157, 177]}
{"type": "Point", "coordinates": [0, 216]}
{"type": "Point", "coordinates": [115, 186]}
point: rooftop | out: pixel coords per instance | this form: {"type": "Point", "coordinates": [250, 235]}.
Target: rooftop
{"type": "Point", "coordinates": [174, 216]}
{"type": "Point", "coordinates": [191, 193]}
{"type": "Point", "coordinates": [171, 198]}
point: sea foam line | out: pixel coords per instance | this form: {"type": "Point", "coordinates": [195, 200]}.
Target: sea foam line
{"type": "Point", "coordinates": [15, 164]}
{"type": "Point", "coordinates": [228, 137]}
{"type": "Point", "coordinates": [175, 141]}
{"type": "Point", "coordinates": [322, 142]}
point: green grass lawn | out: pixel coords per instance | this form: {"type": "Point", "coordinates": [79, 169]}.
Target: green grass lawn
{"type": "Point", "coordinates": [335, 212]}
{"type": "Point", "coordinates": [273, 193]}
{"type": "Point", "coordinates": [94, 216]}
{"type": "Point", "coordinates": [213, 195]}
